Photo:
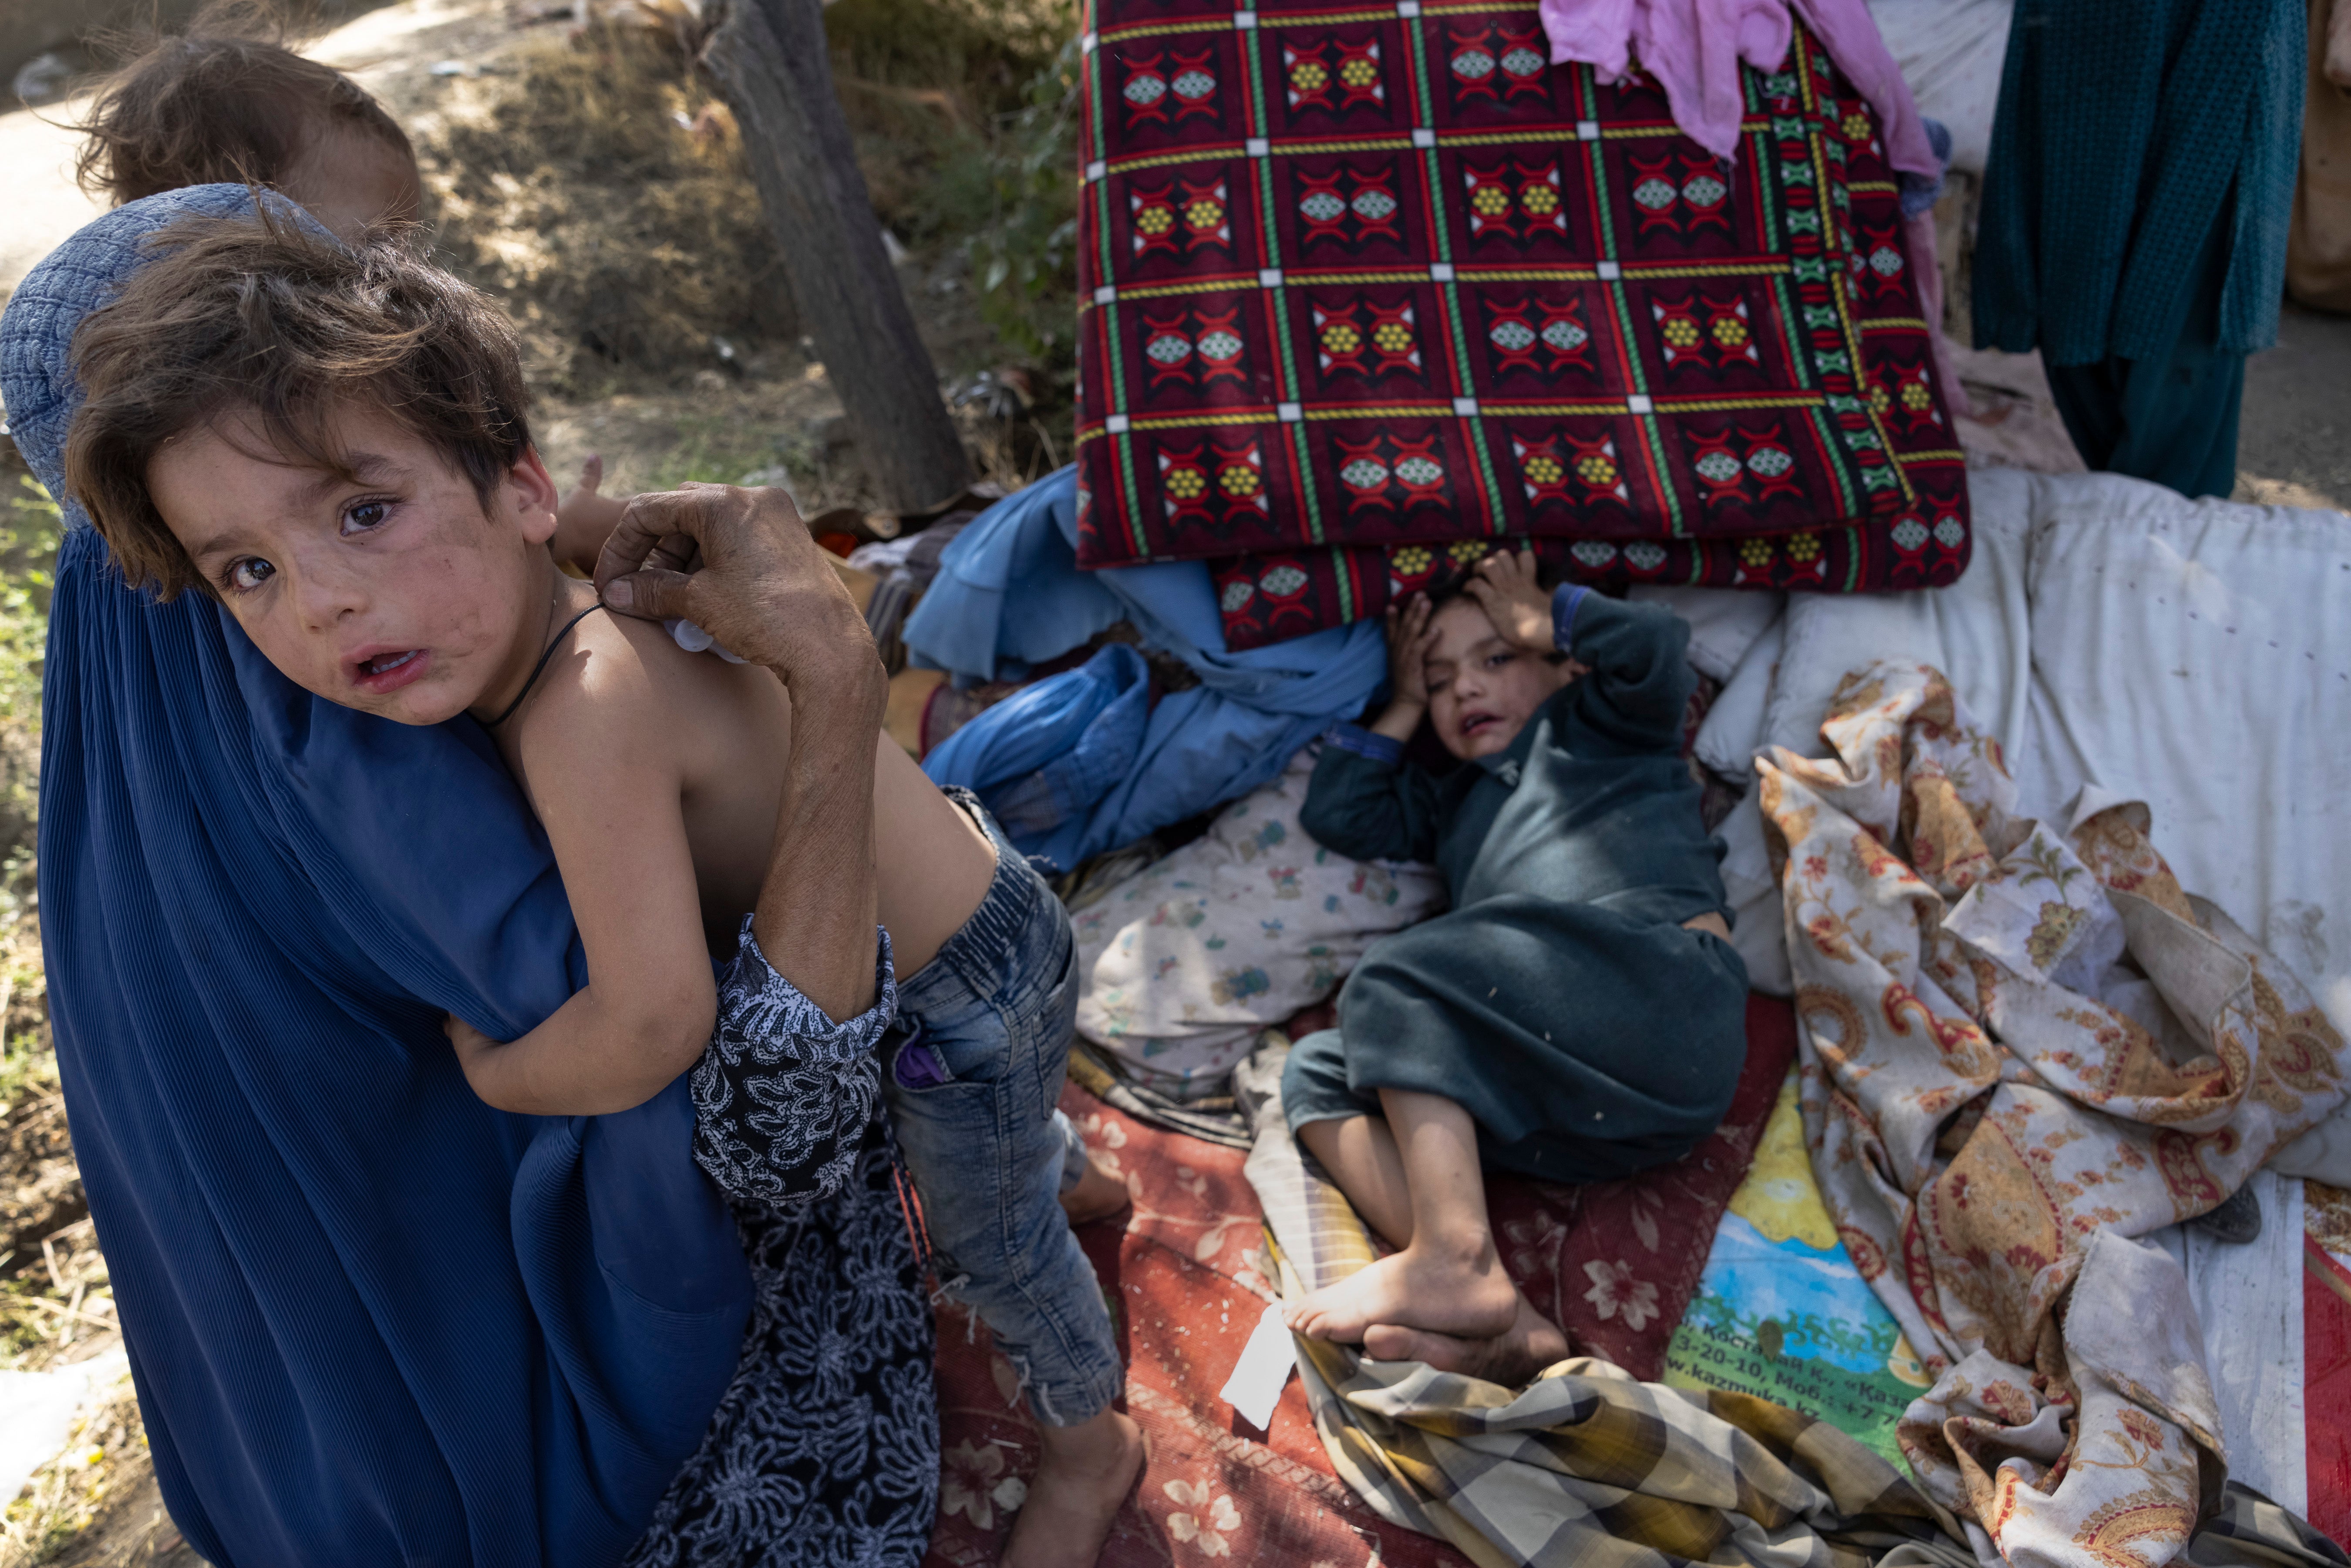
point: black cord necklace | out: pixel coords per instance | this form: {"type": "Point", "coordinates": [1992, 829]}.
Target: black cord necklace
{"type": "Point", "coordinates": [537, 670]}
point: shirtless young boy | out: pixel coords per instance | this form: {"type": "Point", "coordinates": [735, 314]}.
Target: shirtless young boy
{"type": "Point", "coordinates": [1578, 1015]}
{"type": "Point", "coordinates": [330, 441]}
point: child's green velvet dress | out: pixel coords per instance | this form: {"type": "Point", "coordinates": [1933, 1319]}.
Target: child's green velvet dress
{"type": "Point", "coordinates": [1561, 1000]}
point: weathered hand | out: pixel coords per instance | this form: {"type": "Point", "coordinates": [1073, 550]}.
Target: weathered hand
{"type": "Point", "coordinates": [1504, 587]}
{"type": "Point", "coordinates": [740, 565]}
{"type": "Point", "coordinates": [1408, 640]}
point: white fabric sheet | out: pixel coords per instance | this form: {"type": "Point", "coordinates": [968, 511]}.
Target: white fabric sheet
{"type": "Point", "coordinates": [2195, 655]}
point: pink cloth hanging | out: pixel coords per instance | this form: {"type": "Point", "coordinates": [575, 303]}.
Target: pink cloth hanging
{"type": "Point", "coordinates": [1695, 48]}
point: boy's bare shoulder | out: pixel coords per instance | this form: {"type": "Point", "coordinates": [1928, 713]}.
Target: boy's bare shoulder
{"type": "Point", "coordinates": [620, 692]}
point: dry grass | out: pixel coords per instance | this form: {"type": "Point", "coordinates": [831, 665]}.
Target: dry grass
{"type": "Point", "coordinates": [55, 1305]}
{"type": "Point", "coordinates": [593, 187]}
{"type": "Point", "coordinates": [105, 1465]}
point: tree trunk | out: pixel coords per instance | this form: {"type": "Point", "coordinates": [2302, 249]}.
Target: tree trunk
{"type": "Point", "coordinates": [771, 62]}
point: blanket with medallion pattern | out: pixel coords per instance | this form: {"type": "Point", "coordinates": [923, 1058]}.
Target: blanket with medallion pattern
{"type": "Point", "coordinates": [1365, 290]}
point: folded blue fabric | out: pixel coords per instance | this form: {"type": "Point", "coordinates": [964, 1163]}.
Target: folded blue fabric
{"type": "Point", "coordinates": [1009, 595]}
{"type": "Point", "coordinates": [1054, 750]}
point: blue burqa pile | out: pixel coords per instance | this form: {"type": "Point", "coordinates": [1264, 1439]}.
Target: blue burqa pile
{"type": "Point", "coordinates": [1084, 761]}
{"type": "Point", "coordinates": [372, 1320]}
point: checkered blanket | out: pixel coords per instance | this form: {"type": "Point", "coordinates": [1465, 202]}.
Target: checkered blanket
{"type": "Point", "coordinates": [1366, 290]}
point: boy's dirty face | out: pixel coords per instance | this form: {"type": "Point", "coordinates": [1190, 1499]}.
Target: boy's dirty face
{"type": "Point", "coordinates": [396, 595]}
{"type": "Point", "coordinates": [1481, 689]}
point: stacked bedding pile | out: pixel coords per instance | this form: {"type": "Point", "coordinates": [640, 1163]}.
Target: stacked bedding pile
{"type": "Point", "coordinates": [1365, 291]}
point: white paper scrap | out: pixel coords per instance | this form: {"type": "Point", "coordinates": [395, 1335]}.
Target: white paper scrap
{"type": "Point", "coordinates": [1258, 1379]}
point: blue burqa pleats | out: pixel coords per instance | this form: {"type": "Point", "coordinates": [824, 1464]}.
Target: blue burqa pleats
{"type": "Point", "coordinates": [372, 1320]}
{"type": "Point", "coordinates": [1078, 771]}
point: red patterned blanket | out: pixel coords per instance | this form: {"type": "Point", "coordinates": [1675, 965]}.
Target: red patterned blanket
{"type": "Point", "coordinates": [1365, 290]}
{"type": "Point", "coordinates": [1614, 1264]}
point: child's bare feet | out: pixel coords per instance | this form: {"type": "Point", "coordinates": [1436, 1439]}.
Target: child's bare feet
{"type": "Point", "coordinates": [1098, 1195]}
{"type": "Point", "coordinates": [1086, 1473]}
{"type": "Point", "coordinates": [1513, 1358]}
{"type": "Point", "coordinates": [1448, 1287]}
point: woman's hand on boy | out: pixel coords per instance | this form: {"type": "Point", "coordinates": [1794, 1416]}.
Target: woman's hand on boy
{"type": "Point", "coordinates": [1505, 588]}
{"type": "Point", "coordinates": [740, 564]}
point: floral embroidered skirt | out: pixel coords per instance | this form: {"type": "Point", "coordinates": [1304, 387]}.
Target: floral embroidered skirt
{"type": "Point", "coordinates": [825, 1450]}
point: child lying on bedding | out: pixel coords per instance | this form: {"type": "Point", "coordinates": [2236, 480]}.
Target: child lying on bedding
{"type": "Point", "coordinates": [1578, 1015]}
{"type": "Point", "coordinates": [331, 442]}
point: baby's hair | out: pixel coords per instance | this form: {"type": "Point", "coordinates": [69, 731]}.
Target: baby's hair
{"type": "Point", "coordinates": [267, 317]}
{"type": "Point", "coordinates": [224, 102]}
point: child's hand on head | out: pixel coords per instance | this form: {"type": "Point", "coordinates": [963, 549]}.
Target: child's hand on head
{"type": "Point", "coordinates": [1408, 644]}
{"type": "Point", "coordinates": [1505, 588]}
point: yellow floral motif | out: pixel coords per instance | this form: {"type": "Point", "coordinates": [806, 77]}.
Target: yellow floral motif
{"type": "Point", "coordinates": [1310, 75]}
{"type": "Point", "coordinates": [1856, 127]}
{"type": "Point", "coordinates": [1411, 560]}
{"type": "Point", "coordinates": [1915, 396]}
{"type": "Point", "coordinates": [1681, 332]}
{"type": "Point", "coordinates": [1595, 470]}
{"type": "Point", "coordinates": [1393, 337]}
{"type": "Point", "coordinates": [1542, 468]}
{"type": "Point", "coordinates": [1755, 553]}
{"type": "Point", "coordinates": [1204, 213]}
{"type": "Point", "coordinates": [1540, 199]}
{"type": "Point", "coordinates": [1880, 400]}
{"type": "Point", "coordinates": [1359, 73]}
{"type": "Point", "coordinates": [1239, 479]}
{"type": "Point", "coordinates": [1339, 338]}
{"type": "Point", "coordinates": [1804, 546]}
{"type": "Point", "coordinates": [2055, 927]}
{"type": "Point", "coordinates": [1154, 220]}
{"type": "Point", "coordinates": [1490, 201]}
{"type": "Point", "coordinates": [1467, 552]}
{"type": "Point", "coordinates": [1730, 331]}
{"type": "Point", "coordinates": [1186, 484]}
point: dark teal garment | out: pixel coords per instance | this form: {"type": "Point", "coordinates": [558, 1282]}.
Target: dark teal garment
{"type": "Point", "coordinates": [1560, 1000]}
{"type": "Point", "coordinates": [2131, 133]}
{"type": "Point", "coordinates": [1592, 803]}
{"type": "Point", "coordinates": [2172, 418]}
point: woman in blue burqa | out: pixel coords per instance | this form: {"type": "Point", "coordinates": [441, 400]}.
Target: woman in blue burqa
{"type": "Point", "coordinates": [372, 1320]}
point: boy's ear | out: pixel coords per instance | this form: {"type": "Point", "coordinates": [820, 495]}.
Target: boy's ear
{"type": "Point", "coordinates": [531, 495]}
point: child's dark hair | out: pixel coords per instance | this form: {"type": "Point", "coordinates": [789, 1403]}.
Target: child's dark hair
{"type": "Point", "coordinates": [226, 102]}
{"type": "Point", "coordinates": [266, 316]}
{"type": "Point", "coordinates": [1455, 586]}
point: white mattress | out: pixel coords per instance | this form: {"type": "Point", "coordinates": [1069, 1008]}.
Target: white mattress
{"type": "Point", "coordinates": [2192, 654]}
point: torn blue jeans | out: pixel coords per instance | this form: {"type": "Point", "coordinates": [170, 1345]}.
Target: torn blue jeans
{"type": "Point", "coordinates": [974, 1065]}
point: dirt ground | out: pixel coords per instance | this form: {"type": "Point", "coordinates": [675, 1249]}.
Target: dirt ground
{"type": "Point", "coordinates": [773, 415]}
{"type": "Point", "coordinates": [2294, 447]}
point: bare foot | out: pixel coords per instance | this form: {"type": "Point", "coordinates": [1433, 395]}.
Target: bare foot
{"type": "Point", "coordinates": [1512, 1358]}
{"type": "Point", "coordinates": [1098, 1195]}
{"type": "Point", "coordinates": [1450, 1287]}
{"type": "Point", "coordinates": [1086, 1473]}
